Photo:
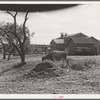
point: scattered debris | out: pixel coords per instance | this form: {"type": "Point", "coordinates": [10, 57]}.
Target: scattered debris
{"type": "Point", "coordinates": [46, 69]}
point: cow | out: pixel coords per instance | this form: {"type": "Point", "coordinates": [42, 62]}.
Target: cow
{"type": "Point", "coordinates": [57, 55]}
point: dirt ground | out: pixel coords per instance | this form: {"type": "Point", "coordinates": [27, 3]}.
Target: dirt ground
{"type": "Point", "coordinates": [82, 76]}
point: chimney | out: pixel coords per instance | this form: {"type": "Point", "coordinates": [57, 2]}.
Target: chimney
{"type": "Point", "coordinates": [65, 34]}
{"type": "Point", "coordinates": [62, 35]}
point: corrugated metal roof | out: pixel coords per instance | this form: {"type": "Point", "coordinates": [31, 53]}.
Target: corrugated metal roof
{"type": "Point", "coordinates": [59, 41]}
{"type": "Point", "coordinates": [82, 40]}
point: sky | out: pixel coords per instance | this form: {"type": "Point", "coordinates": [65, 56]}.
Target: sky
{"type": "Point", "coordinates": [49, 25]}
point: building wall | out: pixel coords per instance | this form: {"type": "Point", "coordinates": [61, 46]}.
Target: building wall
{"type": "Point", "coordinates": [71, 44]}
{"type": "Point", "coordinates": [96, 48]}
{"type": "Point", "coordinates": [55, 46]}
{"type": "Point", "coordinates": [80, 49]}
{"type": "Point", "coordinates": [52, 45]}
{"type": "Point", "coordinates": [60, 47]}
{"type": "Point", "coordinates": [66, 41]}
{"type": "Point", "coordinates": [84, 49]}
{"type": "Point", "coordinates": [71, 48]}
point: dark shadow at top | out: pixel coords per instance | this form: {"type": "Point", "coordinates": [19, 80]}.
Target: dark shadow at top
{"type": "Point", "coordinates": [34, 7]}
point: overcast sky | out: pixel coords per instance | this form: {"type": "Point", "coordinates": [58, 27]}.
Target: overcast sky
{"type": "Point", "coordinates": [49, 25]}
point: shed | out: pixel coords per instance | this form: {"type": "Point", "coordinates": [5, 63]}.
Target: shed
{"type": "Point", "coordinates": [57, 44]}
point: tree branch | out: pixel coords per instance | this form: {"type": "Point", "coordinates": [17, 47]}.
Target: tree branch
{"type": "Point", "coordinates": [16, 14]}
{"type": "Point", "coordinates": [8, 37]}
{"type": "Point", "coordinates": [24, 29]}
{"type": "Point", "coordinates": [14, 45]}
{"type": "Point", "coordinates": [6, 33]}
{"type": "Point", "coordinates": [14, 33]}
{"type": "Point", "coordinates": [10, 13]}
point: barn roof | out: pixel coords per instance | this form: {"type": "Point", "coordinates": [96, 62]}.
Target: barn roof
{"type": "Point", "coordinates": [80, 34]}
{"type": "Point", "coordinates": [75, 34]}
{"type": "Point", "coordinates": [59, 41]}
{"type": "Point", "coordinates": [82, 40]}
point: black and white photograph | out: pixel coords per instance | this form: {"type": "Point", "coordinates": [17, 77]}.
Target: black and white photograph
{"type": "Point", "coordinates": [50, 48]}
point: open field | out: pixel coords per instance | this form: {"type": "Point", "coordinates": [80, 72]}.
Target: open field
{"type": "Point", "coordinates": [81, 77]}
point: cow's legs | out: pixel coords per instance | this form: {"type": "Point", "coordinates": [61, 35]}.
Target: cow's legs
{"type": "Point", "coordinates": [67, 61]}
{"type": "Point", "coordinates": [64, 62]}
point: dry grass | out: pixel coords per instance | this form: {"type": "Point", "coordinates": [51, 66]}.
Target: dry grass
{"type": "Point", "coordinates": [81, 77]}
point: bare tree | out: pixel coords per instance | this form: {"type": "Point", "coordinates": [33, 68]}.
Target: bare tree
{"type": "Point", "coordinates": [17, 40]}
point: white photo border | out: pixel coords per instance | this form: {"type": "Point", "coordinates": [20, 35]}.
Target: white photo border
{"type": "Point", "coordinates": [49, 96]}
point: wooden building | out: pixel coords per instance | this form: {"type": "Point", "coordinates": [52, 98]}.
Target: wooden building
{"type": "Point", "coordinates": [76, 44]}
{"type": "Point", "coordinates": [57, 44]}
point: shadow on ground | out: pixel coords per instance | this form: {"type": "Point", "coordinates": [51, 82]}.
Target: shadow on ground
{"type": "Point", "coordinates": [13, 67]}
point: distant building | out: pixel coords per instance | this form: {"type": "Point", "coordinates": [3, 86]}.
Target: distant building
{"type": "Point", "coordinates": [76, 44]}
{"type": "Point", "coordinates": [39, 48]}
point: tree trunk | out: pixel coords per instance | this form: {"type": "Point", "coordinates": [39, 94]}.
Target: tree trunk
{"type": "Point", "coordinates": [4, 55]}
{"type": "Point", "coordinates": [22, 55]}
{"type": "Point", "coordinates": [4, 51]}
{"type": "Point", "coordinates": [10, 53]}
